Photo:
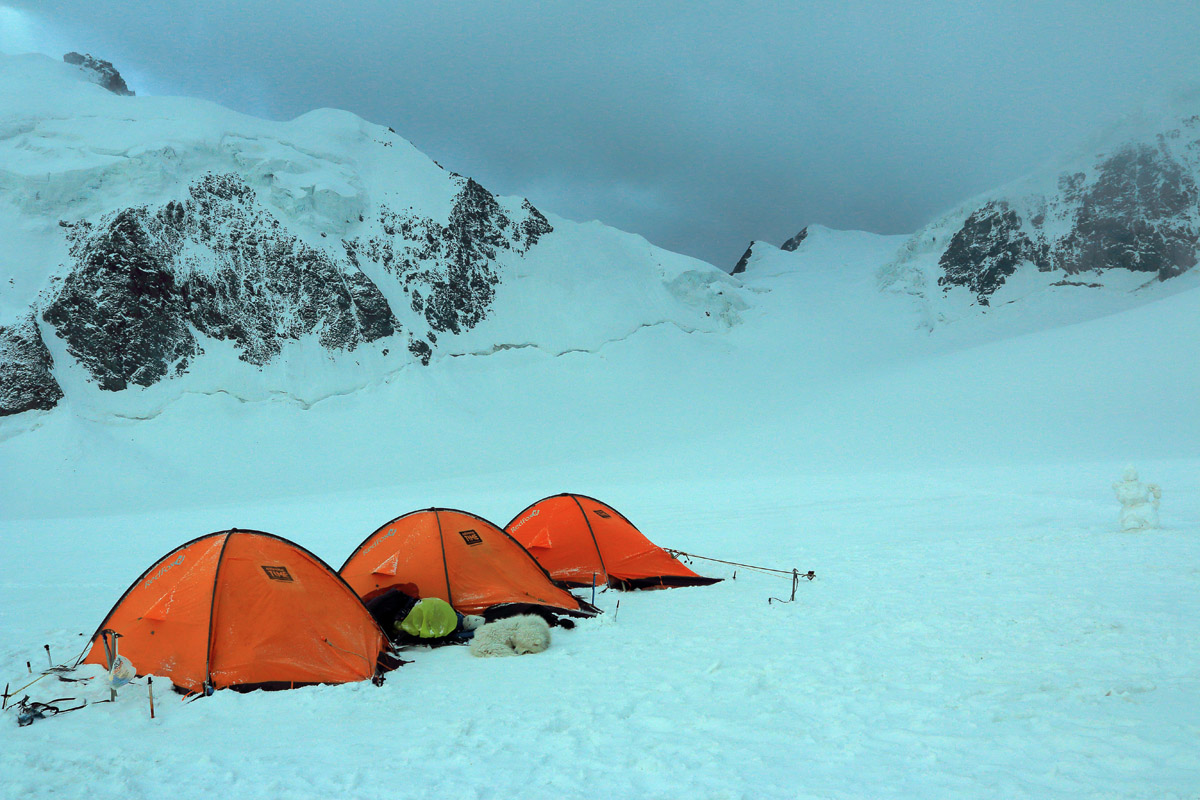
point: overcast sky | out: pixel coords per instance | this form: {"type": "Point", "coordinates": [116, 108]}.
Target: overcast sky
{"type": "Point", "coordinates": [699, 125]}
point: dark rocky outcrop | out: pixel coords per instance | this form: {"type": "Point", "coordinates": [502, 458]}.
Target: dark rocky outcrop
{"type": "Point", "coordinates": [146, 285]}
{"type": "Point", "coordinates": [791, 244]}
{"type": "Point", "coordinates": [1139, 211]}
{"type": "Point", "coordinates": [740, 266]}
{"type": "Point", "coordinates": [144, 280]}
{"type": "Point", "coordinates": [450, 270]}
{"type": "Point", "coordinates": [100, 72]}
{"type": "Point", "coordinates": [26, 380]}
{"type": "Point", "coordinates": [988, 248]}
{"type": "Point", "coordinates": [1139, 214]}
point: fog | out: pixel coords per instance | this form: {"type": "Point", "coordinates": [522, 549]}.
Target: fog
{"type": "Point", "coordinates": [699, 126]}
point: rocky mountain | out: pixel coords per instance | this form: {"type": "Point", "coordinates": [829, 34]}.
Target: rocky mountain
{"type": "Point", "coordinates": [100, 72]}
{"type": "Point", "coordinates": [162, 246]}
{"type": "Point", "coordinates": [1122, 218]}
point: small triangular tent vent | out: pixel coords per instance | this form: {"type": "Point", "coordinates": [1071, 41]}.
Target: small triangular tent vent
{"type": "Point", "coordinates": [579, 540]}
{"type": "Point", "coordinates": [458, 557]}
{"type": "Point", "coordinates": [243, 609]}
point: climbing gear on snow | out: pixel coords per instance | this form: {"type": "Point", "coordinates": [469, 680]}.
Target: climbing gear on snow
{"type": "Point", "coordinates": [28, 712]}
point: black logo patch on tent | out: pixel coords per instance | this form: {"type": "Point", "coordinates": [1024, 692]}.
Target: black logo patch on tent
{"type": "Point", "coordinates": [278, 573]}
{"type": "Point", "coordinates": [600, 512]}
{"type": "Point", "coordinates": [471, 537]}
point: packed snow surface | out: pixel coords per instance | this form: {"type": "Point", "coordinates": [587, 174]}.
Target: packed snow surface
{"type": "Point", "coordinates": [978, 627]}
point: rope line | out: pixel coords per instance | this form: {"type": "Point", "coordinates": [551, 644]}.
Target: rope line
{"type": "Point", "coordinates": [349, 653]}
{"type": "Point", "coordinates": [788, 572]}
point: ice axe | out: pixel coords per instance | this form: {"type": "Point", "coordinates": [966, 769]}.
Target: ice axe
{"type": "Point", "coordinates": [110, 653]}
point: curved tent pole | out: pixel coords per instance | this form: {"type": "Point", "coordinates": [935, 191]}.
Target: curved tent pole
{"type": "Point", "coordinates": [592, 533]}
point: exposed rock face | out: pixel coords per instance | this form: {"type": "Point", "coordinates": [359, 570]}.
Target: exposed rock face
{"type": "Point", "coordinates": [740, 267]}
{"type": "Point", "coordinates": [26, 382]}
{"type": "Point", "coordinates": [100, 72]}
{"type": "Point", "coordinates": [1138, 210]}
{"type": "Point", "coordinates": [791, 244]}
{"type": "Point", "coordinates": [450, 269]}
{"type": "Point", "coordinates": [987, 249]}
{"type": "Point", "coordinates": [144, 282]}
{"type": "Point", "coordinates": [1139, 214]}
{"type": "Point", "coordinates": [218, 263]}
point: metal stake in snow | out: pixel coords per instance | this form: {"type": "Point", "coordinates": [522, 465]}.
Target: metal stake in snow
{"type": "Point", "coordinates": [795, 583]}
{"type": "Point", "coordinates": [793, 573]}
{"type": "Point", "coordinates": [49, 660]}
{"type": "Point", "coordinates": [150, 688]}
{"type": "Point", "coordinates": [593, 588]}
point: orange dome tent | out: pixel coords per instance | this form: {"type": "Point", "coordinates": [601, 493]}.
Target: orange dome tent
{"type": "Point", "coordinates": [580, 540]}
{"type": "Point", "coordinates": [245, 610]}
{"type": "Point", "coordinates": [461, 558]}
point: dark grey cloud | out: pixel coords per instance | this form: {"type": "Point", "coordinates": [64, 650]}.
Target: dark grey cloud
{"type": "Point", "coordinates": [698, 125]}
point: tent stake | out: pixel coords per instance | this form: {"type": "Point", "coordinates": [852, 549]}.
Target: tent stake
{"type": "Point", "coordinates": [593, 588]}
{"type": "Point", "coordinates": [5, 698]}
{"type": "Point", "coordinates": [49, 660]}
{"type": "Point", "coordinates": [29, 667]}
{"type": "Point", "coordinates": [150, 687]}
{"type": "Point", "coordinates": [795, 583]}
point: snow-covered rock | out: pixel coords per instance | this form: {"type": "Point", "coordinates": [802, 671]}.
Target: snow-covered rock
{"type": "Point", "coordinates": [1121, 218]}
{"type": "Point", "coordinates": [100, 72]}
{"type": "Point", "coordinates": [157, 246]}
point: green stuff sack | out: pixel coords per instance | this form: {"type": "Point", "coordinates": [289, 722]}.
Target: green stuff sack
{"type": "Point", "coordinates": [430, 618]}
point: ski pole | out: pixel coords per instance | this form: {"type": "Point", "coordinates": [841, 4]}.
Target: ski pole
{"type": "Point", "coordinates": [150, 686]}
{"type": "Point", "coordinates": [26, 686]}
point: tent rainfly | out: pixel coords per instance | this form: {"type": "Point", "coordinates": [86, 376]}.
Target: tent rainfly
{"type": "Point", "coordinates": [244, 610]}
{"type": "Point", "coordinates": [461, 558]}
{"type": "Point", "coordinates": [580, 540]}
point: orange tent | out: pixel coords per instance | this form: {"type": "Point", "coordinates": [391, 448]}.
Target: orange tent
{"type": "Point", "coordinates": [580, 540]}
{"type": "Point", "coordinates": [461, 558]}
{"type": "Point", "coordinates": [245, 610]}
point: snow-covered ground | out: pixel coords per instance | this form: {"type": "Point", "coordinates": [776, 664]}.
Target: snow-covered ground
{"type": "Point", "coordinates": [978, 626]}
{"type": "Point", "coordinates": [982, 632]}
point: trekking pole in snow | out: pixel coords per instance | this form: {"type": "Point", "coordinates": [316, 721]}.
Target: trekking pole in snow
{"type": "Point", "coordinates": [150, 687]}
